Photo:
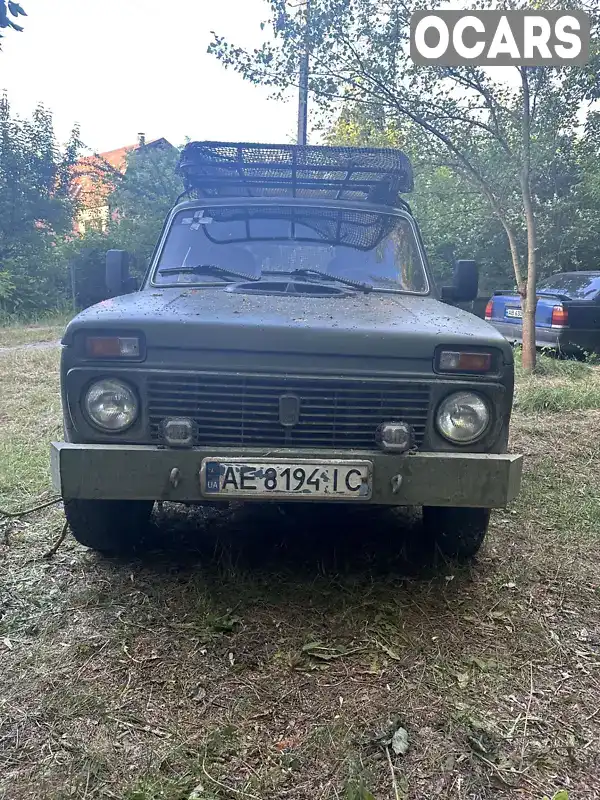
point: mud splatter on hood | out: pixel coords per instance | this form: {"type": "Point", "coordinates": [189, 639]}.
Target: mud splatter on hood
{"type": "Point", "coordinates": [351, 324]}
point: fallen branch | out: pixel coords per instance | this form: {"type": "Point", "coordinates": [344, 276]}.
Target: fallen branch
{"type": "Point", "coordinates": [394, 782]}
{"type": "Point", "coordinates": [143, 728]}
{"type": "Point", "coordinates": [13, 515]}
{"type": "Point", "coordinates": [27, 511]}
{"type": "Point", "coordinates": [224, 786]}
{"type": "Point", "coordinates": [54, 549]}
{"type": "Point", "coordinates": [524, 745]}
{"type": "Point", "coordinates": [497, 770]}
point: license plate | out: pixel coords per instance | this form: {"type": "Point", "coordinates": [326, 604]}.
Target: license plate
{"type": "Point", "coordinates": [264, 479]}
{"type": "Point", "coordinates": [515, 313]}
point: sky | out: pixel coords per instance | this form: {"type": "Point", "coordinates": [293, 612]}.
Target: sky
{"type": "Point", "coordinates": [121, 67]}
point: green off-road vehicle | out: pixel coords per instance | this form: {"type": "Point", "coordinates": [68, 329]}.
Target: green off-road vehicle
{"type": "Point", "coordinates": [288, 343]}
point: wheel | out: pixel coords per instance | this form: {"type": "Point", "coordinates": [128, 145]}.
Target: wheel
{"type": "Point", "coordinates": [457, 532]}
{"type": "Point", "coordinates": [110, 526]}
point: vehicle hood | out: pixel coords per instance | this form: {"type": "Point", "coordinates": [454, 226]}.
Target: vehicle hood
{"type": "Point", "coordinates": [374, 324]}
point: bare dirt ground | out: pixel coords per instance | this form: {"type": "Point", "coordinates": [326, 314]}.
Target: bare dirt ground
{"type": "Point", "coordinates": [262, 655]}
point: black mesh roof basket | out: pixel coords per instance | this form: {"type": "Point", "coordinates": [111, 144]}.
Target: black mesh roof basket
{"type": "Point", "coordinates": [225, 169]}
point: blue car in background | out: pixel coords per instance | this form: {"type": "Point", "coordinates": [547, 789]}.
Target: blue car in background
{"type": "Point", "coordinates": [567, 317]}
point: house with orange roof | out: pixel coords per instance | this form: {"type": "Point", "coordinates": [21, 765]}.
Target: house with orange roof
{"type": "Point", "coordinates": [95, 179]}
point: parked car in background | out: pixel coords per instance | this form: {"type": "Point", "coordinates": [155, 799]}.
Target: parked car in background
{"type": "Point", "coordinates": [567, 316]}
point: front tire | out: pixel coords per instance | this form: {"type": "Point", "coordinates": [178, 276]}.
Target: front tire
{"type": "Point", "coordinates": [458, 533]}
{"type": "Point", "coordinates": [111, 527]}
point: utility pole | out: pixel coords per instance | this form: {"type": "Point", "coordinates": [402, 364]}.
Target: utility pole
{"type": "Point", "coordinates": [303, 81]}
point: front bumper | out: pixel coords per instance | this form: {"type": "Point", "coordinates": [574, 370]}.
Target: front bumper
{"type": "Point", "coordinates": [140, 472]}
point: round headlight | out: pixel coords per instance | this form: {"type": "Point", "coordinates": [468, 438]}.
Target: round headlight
{"type": "Point", "coordinates": [111, 405]}
{"type": "Point", "coordinates": [463, 417]}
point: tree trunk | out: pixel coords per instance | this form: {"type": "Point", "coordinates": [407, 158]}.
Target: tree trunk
{"type": "Point", "coordinates": [514, 253]}
{"type": "Point", "coordinates": [529, 301]}
{"type": "Point", "coordinates": [528, 296]}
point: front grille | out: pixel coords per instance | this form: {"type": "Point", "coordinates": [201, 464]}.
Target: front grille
{"type": "Point", "coordinates": [244, 410]}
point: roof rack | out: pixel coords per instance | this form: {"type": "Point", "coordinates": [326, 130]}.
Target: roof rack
{"type": "Point", "coordinates": [226, 169]}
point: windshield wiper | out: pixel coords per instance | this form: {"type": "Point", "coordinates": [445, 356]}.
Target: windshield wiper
{"type": "Point", "coordinates": [208, 269]}
{"type": "Point", "coordinates": [306, 272]}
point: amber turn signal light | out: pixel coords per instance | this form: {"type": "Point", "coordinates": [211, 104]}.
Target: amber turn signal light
{"type": "Point", "coordinates": [112, 347]}
{"type": "Point", "coordinates": [455, 361]}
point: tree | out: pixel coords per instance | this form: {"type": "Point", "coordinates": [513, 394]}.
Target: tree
{"type": "Point", "coordinates": [455, 219]}
{"type": "Point", "coordinates": [142, 198]}
{"type": "Point", "coordinates": [36, 209]}
{"type": "Point", "coordinates": [8, 9]}
{"type": "Point", "coordinates": [494, 135]}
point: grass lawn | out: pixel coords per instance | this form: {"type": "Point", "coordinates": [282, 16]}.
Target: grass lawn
{"type": "Point", "coordinates": [261, 655]}
{"type": "Point", "coordinates": [47, 329]}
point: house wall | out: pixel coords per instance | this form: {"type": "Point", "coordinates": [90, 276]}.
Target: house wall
{"type": "Point", "coordinates": [93, 185]}
{"type": "Point", "coordinates": [95, 218]}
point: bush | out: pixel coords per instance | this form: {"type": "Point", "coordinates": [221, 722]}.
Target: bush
{"type": "Point", "coordinates": [33, 280]}
{"type": "Point", "coordinates": [36, 211]}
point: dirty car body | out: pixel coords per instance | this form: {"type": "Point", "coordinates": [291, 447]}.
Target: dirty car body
{"type": "Point", "coordinates": [286, 348]}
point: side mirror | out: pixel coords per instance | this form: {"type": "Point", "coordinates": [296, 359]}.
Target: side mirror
{"type": "Point", "coordinates": [118, 280]}
{"type": "Point", "coordinates": [465, 283]}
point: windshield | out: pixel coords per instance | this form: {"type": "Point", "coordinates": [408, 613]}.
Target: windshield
{"type": "Point", "coordinates": [373, 248]}
{"type": "Point", "coordinates": [573, 285]}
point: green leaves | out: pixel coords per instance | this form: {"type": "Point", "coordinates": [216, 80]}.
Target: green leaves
{"type": "Point", "coordinates": [357, 790]}
{"type": "Point", "coordinates": [36, 209]}
{"type": "Point", "coordinates": [15, 10]}
{"type": "Point", "coordinates": [462, 126]}
{"type": "Point", "coordinates": [143, 197]}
